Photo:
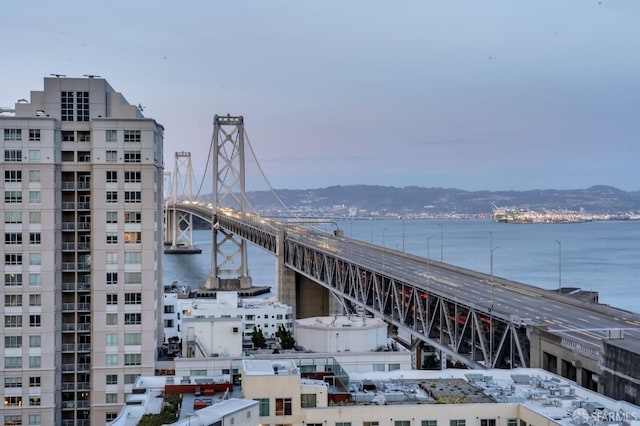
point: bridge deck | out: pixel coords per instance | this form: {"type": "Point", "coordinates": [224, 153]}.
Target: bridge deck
{"type": "Point", "coordinates": [582, 322]}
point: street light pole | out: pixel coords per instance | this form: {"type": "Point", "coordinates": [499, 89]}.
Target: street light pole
{"type": "Point", "coordinates": [384, 247]}
{"type": "Point", "coordinates": [441, 242]}
{"type": "Point", "coordinates": [492, 283]}
{"type": "Point", "coordinates": [428, 257]}
{"type": "Point", "coordinates": [403, 235]}
{"type": "Point", "coordinates": [559, 266]}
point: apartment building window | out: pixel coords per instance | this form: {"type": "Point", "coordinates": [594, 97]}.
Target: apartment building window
{"type": "Point", "coordinates": [393, 367]}
{"type": "Point", "coordinates": [132, 156]}
{"type": "Point", "coordinates": [15, 420]}
{"type": "Point", "coordinates": [35, 419]}
{"type": "Point", "coordinates": [12, 362]}
{"type": "Point", "coordinates": [34, 155]}
{"type": "Point", "coordinates": [132, 359]}
{"type": "Point", "coordinates": [13, 401]}
{"type": "Point", "coordinates": [112, 278]}
{"type": "Point", "coordinates": [111, 339]}
{"type": "Point", "coordinates": [132, 177]}
{"type": "Point", "coordinates": [34, 401]}
{"type": "Point", "coordinates": [35, 299]}
{"type": "Point", "coordinates": [457, 422]}
{"type": "Point", "coordinates": [13, 382]}
{"type": "Point", "coordinates": [112, 379]}
{"type": "Point", "coordinates": [34, 217]}
{"type": "Point", "coordinates": [34, 176]}
{"type": "Point", "coordinates": [264, 406]}
{"type": "Point", "coordinates": [402, 423]}
{"type": "Point", "coordinates": [112, 176]}
{"type": "Point", "coordinates": [133, 318]}
{"type": "Point", "coordinates": [111, 398]}
{"type": "Point", "coordinates": [112, 136]}
{"type": "Point", "coordinates": [168, 323]}
{"type": "Point", "coordinates": [487, 422]}
{"type": "Point", "coordinates": [133, 237]}
{"type": "Point", "coordinates": [112, 196]}
{"type": "Point", "coordinates": [13, 175]}
{"type": "Point", "coordinates": [13, 321]}
{"type": "Point", "coordinates": [132, 339]}
{"type": "Point", "coordinates": [68, 136]}
{"type": "Point", "coordinates": [133, 278]}
{"type": "Point", "coordinates": [82, 106]}
{"type": "Point", "coordinates": [130, 379]}
{"type": "Point", "coordinates": [112, 298]}
{"type": "Point", "coordinates": [12, 155]}
{"type": "Point", "coordinates": [35, 280]}
{"type": "Point", "coordinates": [35, 321]}
{"type": "Point", "coordinates": [12, 280]}
{"type": "Point", "coordinates": [34, 135]}
{"type": "Point", "coordinates": [133, 258]}
{"type": "Point", "coordinates": [35, 238]}
{"type": "Point", "coordinates": [512, 422]}
{"type": "Point", "coordinates": [12, 217]}
{"type": "Point", "coordinates": [111, 156]}
{"type": "Point", "coordinates": [35, 361]}
{"type": "Point", "coordinates": [283, 406]}
{"type": "Point", "coordinates": [112, 217]}
{"type": "Point", "coordinates": [132, 217]}
{"type": "Point", "coordinates": [13, 197]}
{"type": "Point", "coordinates": [132, 196]}
{"type": "Point", "coordinates": [66, 106]}
{"type": "Point", "coordinates": [34, 381]}
{"type": "Point", "coordinates": [133, 298]}
{"type": "Point", "coordinates": [12, 341]}
{"type": "Point", "coordinates": [35, 342]}
{"type": "Point", "coordinates": [12, 300]}
{"type": "Point", "coordinates": [112, 237]}
{"type": "Point", "coordinates": [110, 416]}
{"type": "Point", "coordinates": [308, 400]}
{"type": "Point", "coordinates": [12, 135]}
{"type": "Point", "coordinates": [35, 258]}
{"type": "Point", "coordinates": [132, 135]}
{"type": "Point", "coordinates": [169, 309]}
{"type": "Point", "coordinates": [343, 423]}
{"type": "Point", "coordinates": [112, 319]}
{"type": "Point", "coordinates": [111, 360]}
{"type": "Point", "coordinates": [35, 197]}
{"type": "Point", "coordinates": [13, 258]}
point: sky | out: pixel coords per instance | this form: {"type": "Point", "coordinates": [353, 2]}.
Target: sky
{"type": "Point", "coordinates": [474, 95]}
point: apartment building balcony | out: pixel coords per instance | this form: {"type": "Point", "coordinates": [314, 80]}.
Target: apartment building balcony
{"type": "Point", "coordinates": [71, 287]}
{"type": "Point", "coordinates": [73, 246]}
{"type": "Point", "coordinates": [72, 186]}
{"type": "Point", "coordinates": [72, 226]}
{"type": "Point", "coordinates": [79, 422]}
{"type": "Point", "coordinates": [69, 327]}
{"type": "Point", "coordinates": [73, 266]}
{"type": "Point", "coordinates": [71, 206]}
{"type": "Point", "coordinates": [76, 368]}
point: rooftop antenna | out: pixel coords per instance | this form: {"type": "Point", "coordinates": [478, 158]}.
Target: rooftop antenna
{"type": "Point", "coordinates": [58, 75]}
{"type": "Point", "coordinates": [140, 107]}
{"type": "Point", "coordinates": [90, 75]}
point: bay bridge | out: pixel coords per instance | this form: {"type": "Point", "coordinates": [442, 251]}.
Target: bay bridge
{"type": "Point", "coordinates": [478, 319]}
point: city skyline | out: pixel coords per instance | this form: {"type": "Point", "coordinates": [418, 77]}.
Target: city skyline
{"type": "Point", "coordinates": [498, 96]}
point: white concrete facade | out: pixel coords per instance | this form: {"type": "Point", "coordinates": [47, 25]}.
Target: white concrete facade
{"type": "Point", "coordinates": [82, 173]}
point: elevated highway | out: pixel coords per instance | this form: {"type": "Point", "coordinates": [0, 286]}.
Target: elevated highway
{"type": "Point", "coordinates": [478, 319]}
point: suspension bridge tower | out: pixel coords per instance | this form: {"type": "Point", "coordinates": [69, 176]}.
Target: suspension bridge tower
{"type": "Point", "coordinates": [179, 225]}
{"type": "Point", "coordinates": [229, 269]}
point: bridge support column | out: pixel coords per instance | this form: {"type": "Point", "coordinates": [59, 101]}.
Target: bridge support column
{"type": "Point", "coordinates": [285, 278]}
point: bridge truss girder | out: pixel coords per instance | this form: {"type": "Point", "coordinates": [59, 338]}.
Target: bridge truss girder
{"type": "Point", "coordinates": [477, 338]}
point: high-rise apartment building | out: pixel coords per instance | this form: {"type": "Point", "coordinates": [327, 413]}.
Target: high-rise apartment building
{"type": "Point", "coordinates": [82, 270]}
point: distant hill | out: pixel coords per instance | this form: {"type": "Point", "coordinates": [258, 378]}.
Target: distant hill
{"type": "Point", "coordinates": [413, 199]}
